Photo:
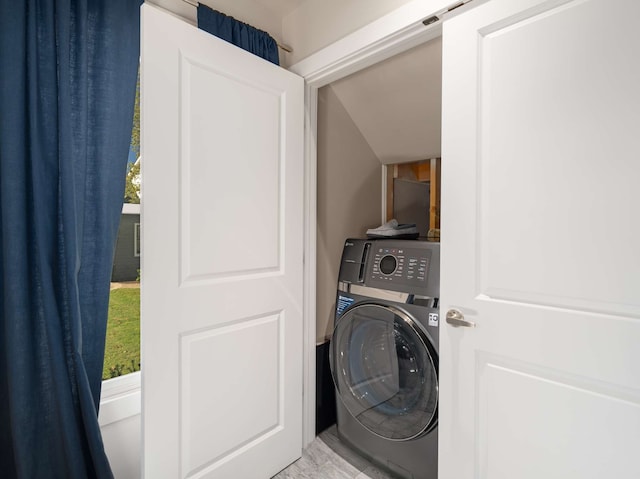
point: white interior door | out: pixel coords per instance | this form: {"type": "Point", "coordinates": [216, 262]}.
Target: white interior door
{"type": "Point", "coordinates": [540, 231]}
{"type": "Point", "coordinates": [222, 267]}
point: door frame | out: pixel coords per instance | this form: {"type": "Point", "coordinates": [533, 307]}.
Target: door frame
{"type": "Point", "coordinates": [390, 35]}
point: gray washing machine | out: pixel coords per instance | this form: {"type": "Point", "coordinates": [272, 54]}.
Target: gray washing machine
{"type": "Point", "coordinates": [384, 353]}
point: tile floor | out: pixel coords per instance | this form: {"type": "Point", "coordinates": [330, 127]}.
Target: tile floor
{"type": "Point", "coordinates": [328, 458]}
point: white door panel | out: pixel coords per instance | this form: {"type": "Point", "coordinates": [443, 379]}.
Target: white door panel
{"type": "Point", "coordinates": [539, 173]}
{"type": "Point", "coordinates": [222, 272]}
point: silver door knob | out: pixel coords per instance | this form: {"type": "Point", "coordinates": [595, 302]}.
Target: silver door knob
{"type": "Point", "coordinates": [456, 319]}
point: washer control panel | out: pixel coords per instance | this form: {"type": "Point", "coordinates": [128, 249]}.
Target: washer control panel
{"type": "Point", "coordinates": [400, 264]}
{"type": "Point", "coordinates": [407, 266]}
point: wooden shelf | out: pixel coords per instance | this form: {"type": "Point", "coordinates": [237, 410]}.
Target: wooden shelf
{"type": "Point", "coordinates": [425, 171]}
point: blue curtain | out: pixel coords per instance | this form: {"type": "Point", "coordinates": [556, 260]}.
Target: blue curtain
{"type": "Point", "coordinates": [67, 84]}
{"type": "Point", "coordinates": [240, 34]}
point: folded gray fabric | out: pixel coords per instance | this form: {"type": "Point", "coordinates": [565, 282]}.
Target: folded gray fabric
{"type": "Point", "coordinates": [391, 229]}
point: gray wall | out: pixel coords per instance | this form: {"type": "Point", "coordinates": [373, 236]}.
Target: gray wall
{"type": "Point", "coordinates": [125, 264]}
{"type": "Point", "coordinates": [349, 197]}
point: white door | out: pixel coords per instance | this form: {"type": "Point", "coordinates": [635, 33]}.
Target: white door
{"type": "Point", "coordinates": [540, 241]}
{"type": "Point", "coordinates": [222, 167]}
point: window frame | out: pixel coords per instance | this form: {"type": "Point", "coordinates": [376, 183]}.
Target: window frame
{"type": "Point", "coordinates": [120, 398]}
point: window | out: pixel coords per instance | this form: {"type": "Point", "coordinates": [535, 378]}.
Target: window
{"type": "Point", "coordinates": [136, 239]}
{"type": "Point", "coordinates": [122, 348]}
{"type": "Point", "coordinates": [121, 373]}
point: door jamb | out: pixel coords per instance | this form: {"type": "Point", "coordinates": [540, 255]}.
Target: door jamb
{"type": "Point", "coordinates": [390, 35]}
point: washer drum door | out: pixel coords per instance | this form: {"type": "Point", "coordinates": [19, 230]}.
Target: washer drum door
{"type": "Point", "coordinates": [386, 371]}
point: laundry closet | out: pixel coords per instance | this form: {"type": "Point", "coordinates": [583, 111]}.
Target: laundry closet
{"type": "Point", "coordinates": [378, 158]}
{"type": "Point", "coordinates": [523, 309]}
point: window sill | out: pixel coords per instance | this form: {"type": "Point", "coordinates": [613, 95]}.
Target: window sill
{"type": "Point", "coordinates": [120, 399]}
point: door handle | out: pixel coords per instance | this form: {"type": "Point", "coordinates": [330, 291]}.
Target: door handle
{"type": "Point", "coordinates": [456, 319]}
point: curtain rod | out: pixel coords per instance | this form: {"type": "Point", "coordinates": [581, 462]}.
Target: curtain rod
{"type": "Point", "coordinates": [286, 48]}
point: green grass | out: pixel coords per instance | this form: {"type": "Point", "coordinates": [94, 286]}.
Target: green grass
{"type": "Point", "coordinates": [122, 350]}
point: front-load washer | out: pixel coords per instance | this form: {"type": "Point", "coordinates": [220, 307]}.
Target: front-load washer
{"type": "Point", "coordinates": [384, 353]}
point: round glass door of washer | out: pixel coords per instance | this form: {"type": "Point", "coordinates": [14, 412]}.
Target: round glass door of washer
{"type": "Point", "coordinates": [386, 371]}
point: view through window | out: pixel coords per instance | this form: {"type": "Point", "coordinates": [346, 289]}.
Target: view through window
{"type": "Point", "coordinates": [122, 349]}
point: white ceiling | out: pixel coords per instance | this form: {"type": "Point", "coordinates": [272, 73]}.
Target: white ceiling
{"type": "Point", "coordinates": [396, 104]}
{"type": "Point", "coordinates": [281, 7]}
